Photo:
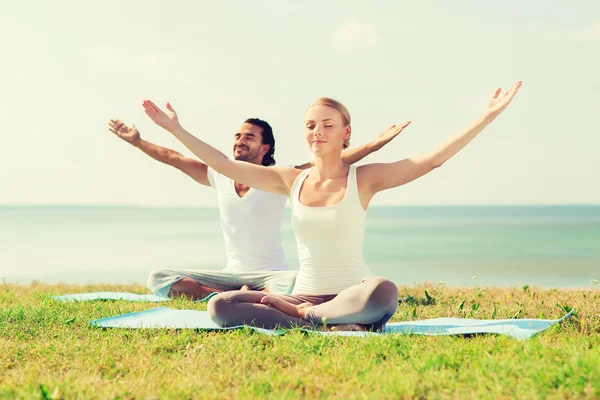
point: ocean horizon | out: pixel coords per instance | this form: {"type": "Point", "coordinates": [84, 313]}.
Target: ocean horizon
{"type": "Point", "coordinates": [548, 246]}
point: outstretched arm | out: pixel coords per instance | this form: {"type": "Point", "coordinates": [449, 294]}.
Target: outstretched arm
{"type": "Point", "coordinates": [269, 179]}
{"type": "Point", "coordinates": [356, 154]}
{"type": "Point", "coordinates": [193, 168]}
{"type": "Point", "coordinates": [384, 176]}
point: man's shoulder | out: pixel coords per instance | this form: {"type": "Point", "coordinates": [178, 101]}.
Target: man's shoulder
{"type": "Point", "coordinates": [214, 177]}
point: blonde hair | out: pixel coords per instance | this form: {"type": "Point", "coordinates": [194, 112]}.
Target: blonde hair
{"type": "Point", "coordinates": [339, 107]}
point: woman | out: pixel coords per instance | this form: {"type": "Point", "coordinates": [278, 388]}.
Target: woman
{"type": "Point", "coordinates": [329, 201]}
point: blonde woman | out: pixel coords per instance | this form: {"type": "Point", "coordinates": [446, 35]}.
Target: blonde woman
{"type": "Point", "coordinates": [329, 202]}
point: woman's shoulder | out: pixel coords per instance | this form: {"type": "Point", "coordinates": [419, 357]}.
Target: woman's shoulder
{"type": "Point", "coordinates": [289, 174]}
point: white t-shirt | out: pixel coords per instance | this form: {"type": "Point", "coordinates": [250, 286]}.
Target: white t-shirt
{"type": "Point", "coordinates": [251, 226]}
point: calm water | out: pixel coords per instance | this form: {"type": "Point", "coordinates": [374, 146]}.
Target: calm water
{"type": "Point", "coordinates": [547, 246]}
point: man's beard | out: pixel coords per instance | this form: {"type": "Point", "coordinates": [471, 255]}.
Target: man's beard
{"type": "Point", "coordinates": [248, 156]}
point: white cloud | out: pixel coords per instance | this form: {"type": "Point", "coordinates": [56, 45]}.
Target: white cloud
{"type": "Point", "coordinates": [591, 33]}
{"type": "Point", "coordinates": [356, 35]}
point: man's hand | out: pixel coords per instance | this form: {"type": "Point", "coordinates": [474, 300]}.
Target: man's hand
{"type": "Point", "coordinates": [390, 133]}
{"type": "Point", "coordinates": [130, 135]}
{"type": "Point", "coordinates": [166, 120]}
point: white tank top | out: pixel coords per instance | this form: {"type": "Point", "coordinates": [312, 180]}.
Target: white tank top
{"type": "Point", "coordinates": [330, 241]}
{"type": "Point", "coordinates": [251, 226]}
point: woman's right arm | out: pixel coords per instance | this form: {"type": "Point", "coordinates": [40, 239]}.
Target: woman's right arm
{"type": "Point", "coordinates": [269, 179]}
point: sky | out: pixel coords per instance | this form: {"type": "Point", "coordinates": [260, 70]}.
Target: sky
{"type": "Point", "coordinates": [69, 66]}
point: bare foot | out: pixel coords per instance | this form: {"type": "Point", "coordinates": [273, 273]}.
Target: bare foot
{"type": "Point", "coordinates": [297, 311]}
{"type": "Point", "coordinates": [188, 288]}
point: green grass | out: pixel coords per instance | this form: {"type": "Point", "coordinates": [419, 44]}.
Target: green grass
{"type": "Point", "coordinates": [49, 350]}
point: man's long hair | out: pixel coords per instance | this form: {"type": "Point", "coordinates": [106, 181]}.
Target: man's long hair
{"type": "Point", "coordinates": [267, 138]}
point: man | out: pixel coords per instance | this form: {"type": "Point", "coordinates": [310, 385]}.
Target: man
{"type": "Point", "coordinates": [250, 219]}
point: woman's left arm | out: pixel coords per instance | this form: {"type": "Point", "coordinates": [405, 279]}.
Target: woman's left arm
{"type": "Point", "coordinates": [378, 177]}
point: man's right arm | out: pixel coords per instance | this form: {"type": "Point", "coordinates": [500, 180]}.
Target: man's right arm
{"type": "Point", "coordinates": [195, 169]}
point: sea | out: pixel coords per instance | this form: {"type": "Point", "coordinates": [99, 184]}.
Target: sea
{"type": "Point", "coordinates": [496, 246]}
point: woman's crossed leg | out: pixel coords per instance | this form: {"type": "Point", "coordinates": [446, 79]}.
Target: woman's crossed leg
{"type": "Point", "coordinates": [368, 305]}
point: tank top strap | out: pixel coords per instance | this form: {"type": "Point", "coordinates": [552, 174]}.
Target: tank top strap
{"type": "Point", "coordinates": [295, 191]}
{"type": "Point", "coordinates": [352, 194]}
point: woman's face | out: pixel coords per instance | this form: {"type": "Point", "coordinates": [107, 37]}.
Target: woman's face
{"type": "Point", "coordinates": [325, 130]}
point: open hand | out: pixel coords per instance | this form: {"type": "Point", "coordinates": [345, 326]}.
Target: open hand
{"type": "Point", "coordinates": [130, 135]}
{"type": "Point", "coordinates": [167, 120]}
{"type": "Point", "coordinates": [390, 133]}
{"type": "Point", "coordinates": [498, 103]}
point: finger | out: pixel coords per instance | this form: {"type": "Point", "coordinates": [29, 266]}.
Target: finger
{"type": "Point", "coordinates": [169, 107]}
{"type": "Point", "coordinates": [508, 98]}
{"type": "Point", "coordinates": [265, 300]}
{"type": "Point", "coordinates": [147, 105]}
{"type": "Point", "coordinates": [516, 85]}
{"type": "Point", "coordinates": [400, 127]}
{"type": "Point", "coordinates": [513, 94]}
{"type": "Point", "coordinates": [149, 109]}
{"type": "Point", "coordinates": [496, 93]}
{"type": "Point", "coordinates": [154, 107]}
{"type": "Point", "coordinates": [148, 113]}
{"type": "Point", "coordinates": [150, 105]}
{"type": "Point", "coordinates": [514, 89]}
{"type": "Point", "coordinates": [115, 131]}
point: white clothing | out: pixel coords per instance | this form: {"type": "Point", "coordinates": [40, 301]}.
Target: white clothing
{"type": "Point", "coordinates": [251, 226]}
{"type": "Point", "coordinates": [330, 241]}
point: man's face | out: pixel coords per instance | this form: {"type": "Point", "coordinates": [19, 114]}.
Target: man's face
{"type": "Point", "coordinates": [247, 144]}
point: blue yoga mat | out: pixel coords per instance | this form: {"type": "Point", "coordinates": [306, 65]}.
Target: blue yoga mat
{"type": "Point", "coordinates": [117, 296]}
{"type": "Point", "coordinates": [165, 317]}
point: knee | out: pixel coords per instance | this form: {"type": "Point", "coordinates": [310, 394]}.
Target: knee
{"type": "Point", "coordinates": [217, 309]}
{"type": "Point", "coordinates": [154, 278]}
{"type": "Point", "coordinates": [383, 294]}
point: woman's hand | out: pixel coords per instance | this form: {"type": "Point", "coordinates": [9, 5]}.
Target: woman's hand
{"type": "Point", "coordinates": [498, 103]}
{"type": "Point", "coordinates": [166, 120]}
